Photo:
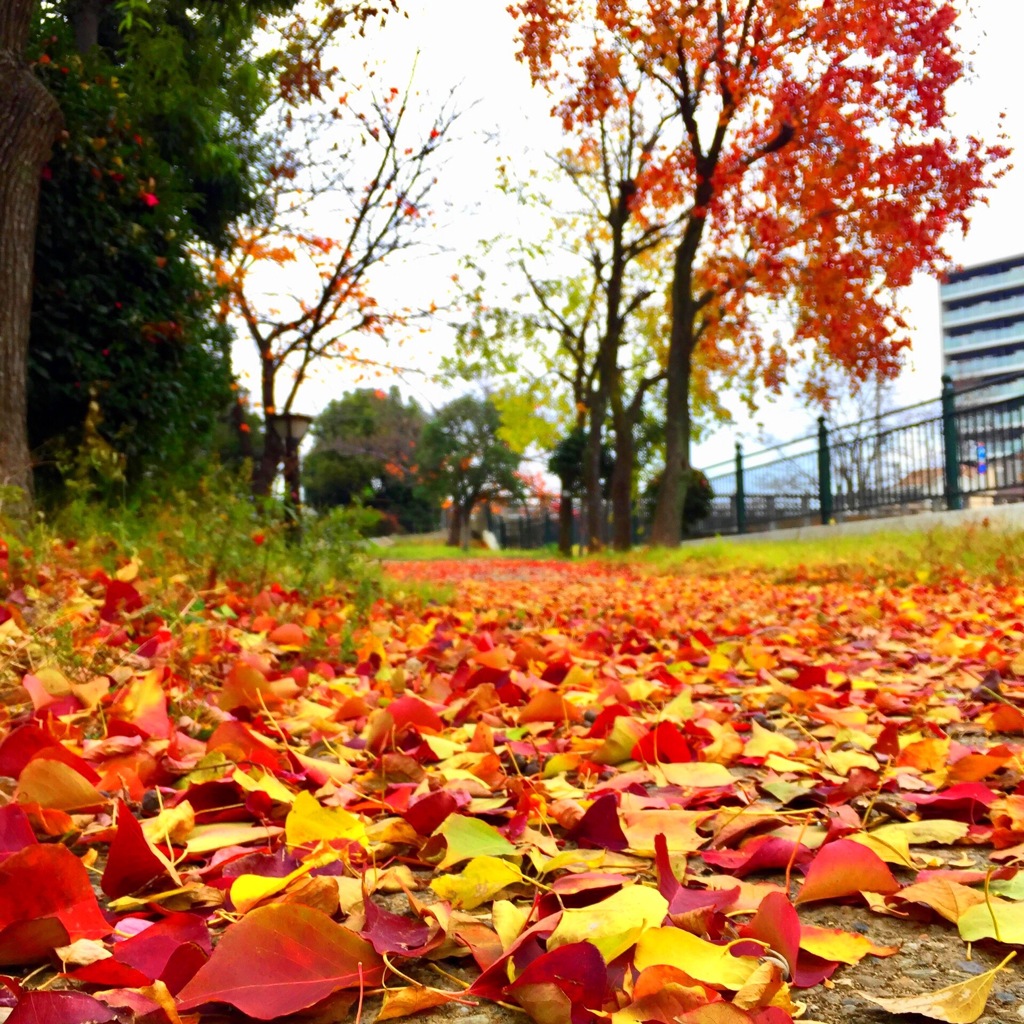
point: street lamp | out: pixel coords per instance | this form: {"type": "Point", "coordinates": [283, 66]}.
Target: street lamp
{"type": "Point", "coordinates": [290, 428]}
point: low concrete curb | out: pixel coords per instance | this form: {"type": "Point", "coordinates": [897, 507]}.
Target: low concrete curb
{"type": "Point", "coordinates": [1007, 518]}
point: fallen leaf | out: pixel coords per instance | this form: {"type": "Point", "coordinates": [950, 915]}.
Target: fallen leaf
{"type": "Point", "coordinates": [962, 1003]}
{"type": "Point", "coordinates": [478, 881]}
{"type": "Point", "coordinates": [281, 959]}
{"type": "Point", "coordinates": [614, 924]}
{"type": "Point", "coordinates": [843, 868]}
{"type": "Point", "coordinates": [700, 959]}
{"type": "Point", "coordinates": [469, 837]}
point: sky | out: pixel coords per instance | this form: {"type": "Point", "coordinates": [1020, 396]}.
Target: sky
{"type": "Point", "coordinates": [468, 46]}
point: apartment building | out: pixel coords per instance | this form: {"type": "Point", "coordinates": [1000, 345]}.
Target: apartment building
{"type": "Point", "coordinates": [983, 328]}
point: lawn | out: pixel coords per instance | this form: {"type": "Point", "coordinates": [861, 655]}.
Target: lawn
{"type": "Point", "coordinates": [736, 783]}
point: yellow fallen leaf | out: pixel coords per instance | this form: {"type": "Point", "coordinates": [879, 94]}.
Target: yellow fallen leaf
{"type": "Point", "coordinates": [260, 781]}
{"type": "Point", "coordinates": [935, 830]}
{"type": "Point", "coordinates": [700, 959]}
{"type": "Point", "coordinates": [962, 1003]}
{"type": "Point", "coordinates": [174, 824]}
{"type": "Point", "coordinates": [207, 838]}
{"type": "Point", "coordinates": [614, 924]}
{"type": "Point", "coordinates": [508, 921]}
{"type": "Point", "coordinates": [309, 821]}
{"type": "Point", "coordinates": [893, 849]}
{"type": "Point", "coordinates": [56, 785]}
{"type": "Point", "coordinates": [478, 881]}
{"type": "Point", "coordinates": [679, 828]}
{"type": "Point", "coordinates": [763, 742]}
{"type": "Point", "coordinates": [695, 774]}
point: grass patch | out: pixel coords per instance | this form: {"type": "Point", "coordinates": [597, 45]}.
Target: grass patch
{"type": "Point", "coordinates": [433, 552]}
{"type": "Point", "coordinates": [972, 551]}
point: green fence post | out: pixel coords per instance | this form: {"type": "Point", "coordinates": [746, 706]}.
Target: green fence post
{"type": "Point", "coordinates": [741, 498]}
{"type": "Point", "coordinates": [824, 473]}
{"type": "Point", "coordinates": [950, 444]}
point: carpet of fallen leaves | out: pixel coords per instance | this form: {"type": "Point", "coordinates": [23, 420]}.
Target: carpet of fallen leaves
{"type": "Point", "coordinates": [586, 792]}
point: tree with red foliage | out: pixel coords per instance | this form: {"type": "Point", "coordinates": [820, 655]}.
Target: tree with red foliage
{"type": "Point", "coordinates": [813, 162]}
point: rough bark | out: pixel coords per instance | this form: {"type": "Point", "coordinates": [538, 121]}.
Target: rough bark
{"type": "Point", "coordinates": [592, 471]}
{"type": "Point", "coordinates": [454, 527]}
{"type": "Point", "coordinates": [29, 122]}
{"type": "Point", "coordinates": [622, 482]}
{"type": "Point", "coordinates": [565, 523]}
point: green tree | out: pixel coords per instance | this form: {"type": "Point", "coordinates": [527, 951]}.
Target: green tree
{"type": "Point", "coordinates": [365, 450]}
{"type": "Point", "coordinates": [190, 82]}
{"type": "Point", "coordinates": [463, 459]}
{"type": "Point", "coordinates": [123, 317]}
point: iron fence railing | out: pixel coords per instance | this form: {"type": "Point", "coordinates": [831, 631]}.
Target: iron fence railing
{"type": "Point", "coordinates": [965, 447]}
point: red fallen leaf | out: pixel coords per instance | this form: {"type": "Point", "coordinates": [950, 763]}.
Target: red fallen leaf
{"type": "Point", "coordinates": [392, 933]}
{"type": "Point", "coordinates": [843, 868]}
{"type": "Point", "coordinates": [812, 970]}
{"type": "Point", "coordinates": [599, 827]}
{"type": "Point", "coordinates": [776, 923]}
{"type": "Point", "coordinates": [132, 861]}
{"type": "Point", "coordinates": [480, 940]}
{"type": "Point", "coordinates": [606, 719]}
{"type": "Point", "coordinates": [60, 1008]}
{"type": "Point", "coordinates": [31, 741]}
{"type": "Point", "coordinates": [171, 951]}
{"type": "Point", "coordinates": [574, 975]}
{"type": "Point", "coordinates": [388, 724]}
{"type": "Point", "coordinates": [664, 743]}
{"type": "Point", "coordinates": [240, 744]}
{"type": "Point", "coordinates": [121, 598]}
{"type": "Point", "coordinates": [15, 830]}
{"type": "Point", "coordinates": [46, 900]}
{"type": "Point", "coordinates": [763, 853]}
{"type": "Point", "coordinates": [428, 812]}
{"type": "Point", "coordinates": [280, 959]}
{"type": "Point", "coordinates": [971, 797]}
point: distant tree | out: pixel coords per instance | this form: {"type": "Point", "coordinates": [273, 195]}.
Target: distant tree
{"type": "Point", "coordinates": [365, 450]}
{"type": "Point", "coordinates": [373, 187]}
{"type": "Point", "coordinates": [462, 459]}
{"type": "Point", "coordinates": [568, 463]}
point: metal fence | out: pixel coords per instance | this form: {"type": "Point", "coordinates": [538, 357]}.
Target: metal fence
{"type": "Point", "coordinates": [948, 453]}
{"type": "Point", "coordinates": [957, 450]}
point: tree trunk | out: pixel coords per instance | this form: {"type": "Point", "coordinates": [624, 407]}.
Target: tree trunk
{"type": "Point", "coordinates": [622, 484]}
{"type": "Point", "coordinates": [454, 527]}
{"type": "Point", "coordinates": [266, 471]}
{"type": "Point", "coordinates": [86, 21]}
{"type": "Point", "coordinates": [667, 526]}
{"type": "Point", "coordinates": [29, 122]}
{"type": "Point", "coordinates": [592, 474]}
{"type": "Point", "coordinates": [565, 523]}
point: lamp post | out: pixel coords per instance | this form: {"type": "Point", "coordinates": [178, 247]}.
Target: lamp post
{"type": "Point", "coordinates": [290, 428]}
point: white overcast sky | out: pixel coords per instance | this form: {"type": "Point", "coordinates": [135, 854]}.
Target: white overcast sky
{"type": "Point", "coordinates": [469, 45]}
